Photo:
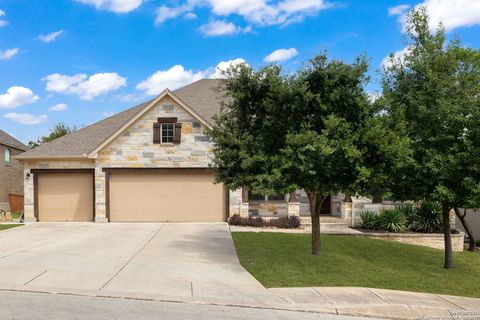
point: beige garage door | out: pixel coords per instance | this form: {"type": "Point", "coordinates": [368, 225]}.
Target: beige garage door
{"type": "Point", "coordinates": [65, 197]}
{"type": "Point", "coordinates": [166, 197]}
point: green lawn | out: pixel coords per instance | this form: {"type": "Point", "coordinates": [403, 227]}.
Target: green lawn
{"type": "Point", "coordinates": [283, 260]}
{"type": "Point", "coordinates": [9, 226]}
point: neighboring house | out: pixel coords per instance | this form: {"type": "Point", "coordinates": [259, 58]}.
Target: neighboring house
{"type": "Point", "coordinates": [148, 163]}
{"type": "Point", "coordinates": [11, 170]}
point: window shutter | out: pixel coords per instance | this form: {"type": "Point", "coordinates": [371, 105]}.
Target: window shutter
{"type": "Point", "coordinates": [177, 133]}
{"type": "Point", "coordinates": [156, 133]}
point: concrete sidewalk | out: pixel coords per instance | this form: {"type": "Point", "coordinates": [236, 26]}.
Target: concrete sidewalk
{"type": "Point", "coordinates": [380, 303]}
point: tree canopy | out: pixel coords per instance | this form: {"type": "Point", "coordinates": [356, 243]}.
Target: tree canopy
{"type": "Point", "coordinates": [431, 97]}
{"type": "Point", "coordinates": [59, 130]}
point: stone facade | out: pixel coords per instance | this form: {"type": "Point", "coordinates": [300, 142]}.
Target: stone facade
{"type": "Point", "coordinates": [134, 148]}
{"type": "Point", "coordinates": [11, 176]}
{"type": "Point", "coordinates": [431, 240]}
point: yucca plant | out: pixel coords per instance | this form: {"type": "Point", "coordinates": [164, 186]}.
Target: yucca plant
{"type": "Point", "coordinates": [370, 220]}
{"type": "Point", "coordinates": [408, 211]}
{"type": "Point", "coordinates": [428, 217]}
{"type": "Point", "coordinates": [393, 220]}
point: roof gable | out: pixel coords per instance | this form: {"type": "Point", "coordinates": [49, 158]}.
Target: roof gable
{"type": "Point", "coordinates": [10, 141]}
{"type": "Point", "coordinates": [199, 98]}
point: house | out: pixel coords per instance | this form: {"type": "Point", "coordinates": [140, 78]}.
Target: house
{"type": "Point", "coordinates": [148, 163]}
{"type": "Point", "coordinates": [11, 170]}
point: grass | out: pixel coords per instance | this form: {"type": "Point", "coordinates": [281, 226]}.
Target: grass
{"type": "Point", "coordinates": [9, 226]}
{"type": "Point", "coordinates": [284, 260]}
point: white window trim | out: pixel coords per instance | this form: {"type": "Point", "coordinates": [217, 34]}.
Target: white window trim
{"type": "Point", "coordinates": [161, 132]}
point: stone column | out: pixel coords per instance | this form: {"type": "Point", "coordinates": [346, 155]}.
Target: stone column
{"type": "Point", "coordinates": [245, 203]}
{"type": "Point", "coordinates": [346, 210]}
{"type": "Point", "coordinates": [29, 201]}
{"type": "Point", "coordinates": [293, 206]}
{"type": "Point", "coordinates": [100, 195]}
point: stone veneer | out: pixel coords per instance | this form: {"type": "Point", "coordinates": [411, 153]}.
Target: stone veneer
{"type": "Point", "coordinates": [134, 148]}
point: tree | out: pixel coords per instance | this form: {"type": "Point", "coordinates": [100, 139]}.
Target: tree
{"type": "Point", "coordinates": [281, 133]}
{"type": "Point", "coordinates": [431, 96]}
{"type": "Point", "coordinates": [59, 130]}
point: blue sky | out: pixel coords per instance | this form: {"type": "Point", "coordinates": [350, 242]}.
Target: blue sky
{"type": "Point", "coordinates": [78, 61]}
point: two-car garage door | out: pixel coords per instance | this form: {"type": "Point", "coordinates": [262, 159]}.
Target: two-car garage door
{"type": "Point", "coordinates": [153, 196]}
{"type": "Point", "coordinates": [132, 195]}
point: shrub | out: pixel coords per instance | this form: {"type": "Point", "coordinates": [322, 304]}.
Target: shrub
{"type": "Point", "coordinates": [408, 211]}
{"type": "Point", "coordinates": [427, 218]}
{"type": "Point", "coordinates": [370, 220]}
{"type": "Point", "coordinates": [393, 220]}
{"type": "Point", "coordinates": [288, 222]}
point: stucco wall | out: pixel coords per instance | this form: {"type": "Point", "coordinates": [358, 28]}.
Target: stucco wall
{"type": "Point", "coordinates": [11, 176]}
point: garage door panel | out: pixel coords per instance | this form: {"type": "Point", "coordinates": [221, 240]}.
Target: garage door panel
{"type": "Point", "coordinates": [165, 197]}
{"type": "Point", "coordinates": [65, 197]}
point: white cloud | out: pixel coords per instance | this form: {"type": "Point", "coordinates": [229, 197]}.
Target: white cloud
{"type": "Point", "coordinates": [173, 78]}
{"type": "Point", "coordinates": [398, 10]}
{"type": "Point", "coordinates": [26, 118]}
{"type": "Point", "coordinates": [452, 13]}
{"type": "Point", "coordinates": [9, 53]}
{"type": "Point", "coordinates": [281, 55]}
{"type": "Point", "coordinates": [107, 114]}
{"type": "Point", "coordinates": [3, 23]}
{"type": "Point", "coordinates": [58, 107]}
{"type": "Point", "coordinates": [387, 62]}
{"type": "Point", "coordinates": [17, 96]}
{"type": "Point", "coordinates": [225, 65]}
{"type": "Point", "coordinates": [165, 13]}
{"type": "Point", "coordinates": [258, 12]}
{"type": "Point", "coordinates": [51, 36]}
{"type": "Point", "coordinates": [86, 88]}
{"type": "Point", "coordinates": [177, 76]}
{"type": "Point", "coordinates": [117, 6]}
{"type": "Point", "coordinates": [218, 28]}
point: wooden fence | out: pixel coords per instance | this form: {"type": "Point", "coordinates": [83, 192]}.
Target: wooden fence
{"type": "Point", "coordinates": [15, 201]}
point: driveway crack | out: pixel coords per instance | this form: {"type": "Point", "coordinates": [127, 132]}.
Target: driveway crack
{"type": "Point", "coordinates": [133, 257]}
{"type": "Point", "coordinates": [38, 275]}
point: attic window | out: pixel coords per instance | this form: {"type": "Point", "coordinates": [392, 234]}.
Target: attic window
{"type": "Point", "coordinates": [166, 131]}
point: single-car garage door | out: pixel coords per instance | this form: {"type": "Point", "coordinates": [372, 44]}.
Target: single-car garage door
{"type": "Point", "coordinates": [65, 196]}
{"type": "Point", "coordinates": [165, 196]}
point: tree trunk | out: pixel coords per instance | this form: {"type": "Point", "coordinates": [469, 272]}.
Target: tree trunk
{"type": "Point", "coordinates": [447, 236]}
{"type": "Point", "coordinates": [472, 243]}
{"type": "Point", "coordinates": [316, 200]}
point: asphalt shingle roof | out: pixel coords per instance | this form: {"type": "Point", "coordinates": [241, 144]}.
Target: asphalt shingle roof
{"type": "Point", "coordinates": [201, 96]}
{"type": "Point", "coordinates": [10, 141]}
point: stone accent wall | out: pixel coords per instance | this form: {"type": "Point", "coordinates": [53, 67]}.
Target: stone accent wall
{"type": "Point", "coordinates": [134, 148]}
{"type": "Point", "coordinates": [28, 183]}
{"type": "Point", "coordinates": [432, 240]}
{"type": "Point", "coordinates": [11, 176]}
{"type": "Point", "coordinates": [235, 201]}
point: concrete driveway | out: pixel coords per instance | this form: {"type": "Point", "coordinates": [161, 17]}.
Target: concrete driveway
{"type": "Point", "coordinates": [174, 260]}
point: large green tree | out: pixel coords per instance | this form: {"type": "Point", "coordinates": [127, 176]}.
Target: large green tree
{"type": "Point", "coordinates": [280, 133]}
{"type": "Point", "coordinates": [431, 96]}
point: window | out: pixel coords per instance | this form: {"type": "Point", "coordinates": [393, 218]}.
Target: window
{"type": "Point", "coordinates": [7, 156]}
{"type": "Point", "coordinates": [167, 132]}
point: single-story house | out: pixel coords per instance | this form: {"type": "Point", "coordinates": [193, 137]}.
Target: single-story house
{"type": "Point", "coordinates": [11, 170]}
{"type": "Point", "coordinates": [148, 163]}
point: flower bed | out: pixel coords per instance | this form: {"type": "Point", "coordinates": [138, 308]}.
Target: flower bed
{"type": "Point", "coordinates": [287, 222]}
